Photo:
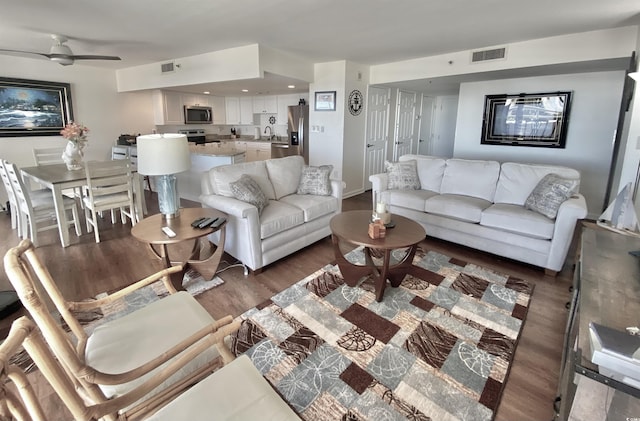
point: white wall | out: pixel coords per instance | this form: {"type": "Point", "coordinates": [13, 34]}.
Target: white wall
{"type": "Point", "coordinates": [592, 122]}
{"type": "Point", "coordinates": [96, 104]}
{"type": "Point", "coordinates": [354, 131]}
{"type": "Point", "coordinates": [325, 148]}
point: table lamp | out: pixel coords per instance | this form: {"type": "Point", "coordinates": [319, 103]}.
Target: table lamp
{"type": "Point", "coordinates": [163, 156]}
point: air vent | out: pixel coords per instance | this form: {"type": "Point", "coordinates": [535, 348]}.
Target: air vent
{"type": "Point", "coordinates": [167, 67]}
{"type": "Point", "coordinates": [484, 55]}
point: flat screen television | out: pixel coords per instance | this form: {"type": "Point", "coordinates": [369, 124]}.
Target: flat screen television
{"type": "Point", "coordinates": [526, 119]}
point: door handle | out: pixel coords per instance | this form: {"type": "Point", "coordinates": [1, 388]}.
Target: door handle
{"type": "Point", "coordinates": [369, 145]}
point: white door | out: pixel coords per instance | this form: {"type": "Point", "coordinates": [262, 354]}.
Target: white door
{"type": "Point", "coordinates": [405, 118]}
{"type": "Point", "coordinates": [426, 126]}
{"type": "Point", "coordinates": [377, 131]}
{"type": "Point", "coordinates": [445, 126]}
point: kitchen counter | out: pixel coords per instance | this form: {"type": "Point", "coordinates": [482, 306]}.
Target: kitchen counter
{"type": "Point", "coordinates": [215, 149]}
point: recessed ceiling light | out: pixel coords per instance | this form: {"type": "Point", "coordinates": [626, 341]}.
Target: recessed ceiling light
{"type": "Point", "coordinates": [206, 92]}
{"type": "Point", "coordinates": [245, 90]}
{"type": "Point", "coordinates": [291, 86]}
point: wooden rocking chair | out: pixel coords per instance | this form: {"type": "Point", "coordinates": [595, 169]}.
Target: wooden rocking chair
{"type": "Point", "coordinates": [171, 343]}
{"type": "Point", "coordinates": [237, 391]}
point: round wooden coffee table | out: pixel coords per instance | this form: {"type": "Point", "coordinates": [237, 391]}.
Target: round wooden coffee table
{"type": "Point", "coordinates": [352, 227]}
{"type": "Point", "coordinates": [149, 231]}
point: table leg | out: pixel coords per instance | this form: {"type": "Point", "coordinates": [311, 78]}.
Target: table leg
{"type": "Point", "coordinates": [350, 272]}
{"type": "Point", "coordinates": [61, 215]}
{"type": "Point", "coordinates": [209, 267]}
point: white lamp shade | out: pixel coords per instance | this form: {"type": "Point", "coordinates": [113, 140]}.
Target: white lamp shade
{"type": "Point", "coordinates": [162, 154]}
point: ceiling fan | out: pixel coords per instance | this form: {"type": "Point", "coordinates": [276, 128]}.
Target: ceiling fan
{"type": "Point", "coordinates": [61, 53]}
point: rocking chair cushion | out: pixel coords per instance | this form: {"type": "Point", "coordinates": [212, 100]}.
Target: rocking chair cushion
{"type": "Point", "coordinates": [235, 392]}
{"type": "Point", "coordinates": [123, 344]}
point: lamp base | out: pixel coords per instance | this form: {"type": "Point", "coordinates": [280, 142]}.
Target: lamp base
{"type": "Point", "coordinates": [168, 199]}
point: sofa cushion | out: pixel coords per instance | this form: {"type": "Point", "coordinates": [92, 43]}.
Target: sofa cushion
{"type": "Point", "coordinates": [315, 180]}
{"type": "Point", "coordinates": [464, 208]}
{"type": "Point", "coordinates": [517, 180]}
{"type": "Point", "coordinates": [517, 219]}
{"type": "Point", "coordinates": [550, 193]}
{"type": "Point", "coordinates": [247, 190]}
{"type": "Point", "coordinates": [285, 174]}
{"type": "Point", "coordinates": [402, 175]}
{"type": "Point", "coordinates": [221, 177]}
{"type": "Point", "coordinates": [430, 170]}
{"type": "Point", "coordinates": [471, 178]}
{"type": "Point", "coordinates": [312, 206]}
{"type": "Point", "coordinates": [279, 217]}
{"type": "Point", "coordinates": [410, 199]}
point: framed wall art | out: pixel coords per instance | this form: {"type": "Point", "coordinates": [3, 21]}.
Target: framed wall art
{"type": "Point", "coordinates": [34, 107]}
{"type": "Point", "coordinates": [526, 119]}
{"type": "Point", "coordinates": [325, 101]}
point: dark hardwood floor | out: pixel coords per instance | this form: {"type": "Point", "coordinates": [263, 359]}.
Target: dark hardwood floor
{"type": "Point", "coordinates": [85, 269]}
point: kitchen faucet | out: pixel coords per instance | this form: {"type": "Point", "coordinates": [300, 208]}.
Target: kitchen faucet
{"type": "Point", "coordinates": [270, 132]}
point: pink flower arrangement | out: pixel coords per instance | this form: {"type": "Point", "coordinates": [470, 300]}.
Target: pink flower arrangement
{"type": "Point", "coordinates": [76, 133]}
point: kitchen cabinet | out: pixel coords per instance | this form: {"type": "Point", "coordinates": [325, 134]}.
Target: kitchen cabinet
{"type": "Point", "coordinates": [217, 104]}
{"type": "Point", "coordinates": [285, 101]}
{"type": "Point", "coordinates": [246, 110]}
{"type": "Point", "coordinates": [232, 108]}
{"type": "Point", "coordinates": [239, 110]}
{"type": "Point", "coordinates": [265, 104]}
{"type": "Point", "coordinates": [258, 151]}
{"type": "Point", "coordinates": [195, 99]}
{"type": "Point", "coordinates": [167, 107]}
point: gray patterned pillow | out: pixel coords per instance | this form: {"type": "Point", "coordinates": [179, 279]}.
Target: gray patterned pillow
{"type": "Point", "coordinates": [550, 193]}
{"type": "Point", "coordinates": [247, 190]}
{"type": "Point", "coordinates": [315, 180]}
{"type": "Point", "coordinates": [402, 175]}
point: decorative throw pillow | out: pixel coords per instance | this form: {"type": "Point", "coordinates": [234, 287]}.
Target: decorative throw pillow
{"type": "Point", "coordinates": [550, 193]}
{"type": "Point", "coordinates": [402, 175]}
{"type": "Point", "coordinates": [248, 190]}
{"type": "Point", "coordinates": [315, 180]}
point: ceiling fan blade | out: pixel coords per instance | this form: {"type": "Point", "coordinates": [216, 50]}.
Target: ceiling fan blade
{"type": "Point", "coordinates": [90, 57]}
{"type": "Point", "coordinates": [24, 52]}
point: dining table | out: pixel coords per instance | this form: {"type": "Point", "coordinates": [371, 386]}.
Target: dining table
{"type": "Point", "coordinates": [57, 177]}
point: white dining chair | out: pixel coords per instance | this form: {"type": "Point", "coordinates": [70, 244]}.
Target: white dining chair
{"type": "Point", "coordinates": [36, 210]}
{"type": "Point", "coordinates": [109, 187]}
{"type": "Point", "coordinates": [49, 156]}
{"type": "Point", "coordinates": [13, 203]}
{"type": "Point", "coordinates": [119, 152]}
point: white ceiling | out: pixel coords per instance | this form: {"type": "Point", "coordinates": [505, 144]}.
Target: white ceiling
{"type": "Point", "coordinates": [362, 31]}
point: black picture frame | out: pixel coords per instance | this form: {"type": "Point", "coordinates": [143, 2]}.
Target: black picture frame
{"type": "Point", "coordinates": [34, 107]}
{"type": "Point", "coordinates": [325, 101]}
{"type": "Point", "coordinates": [526, 119]}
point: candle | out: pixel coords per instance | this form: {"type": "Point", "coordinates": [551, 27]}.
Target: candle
{"type": "Point", "coordinates": [381, 207]}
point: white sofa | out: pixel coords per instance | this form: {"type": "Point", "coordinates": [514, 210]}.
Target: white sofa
{"type": "Point", "coordinates": [288, 223]}
{"type": "Point", "coordinates": [480, 204]}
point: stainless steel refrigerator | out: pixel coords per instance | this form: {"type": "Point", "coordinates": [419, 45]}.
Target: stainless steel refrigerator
{"type": "Point", "coordinates": [298, 135]}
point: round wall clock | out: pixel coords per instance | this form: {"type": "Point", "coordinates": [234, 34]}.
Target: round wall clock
{"type": "Point", "coordinates": [356, 102]}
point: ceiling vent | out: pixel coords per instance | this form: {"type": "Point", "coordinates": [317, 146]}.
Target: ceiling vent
{"type": "Point", "coordinates": [167, 67]}
{"type": "Point", "coordinates": [485, 55]}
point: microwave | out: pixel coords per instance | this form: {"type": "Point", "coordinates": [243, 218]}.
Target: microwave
{"type": "Point", "coordinates": [197, 115]}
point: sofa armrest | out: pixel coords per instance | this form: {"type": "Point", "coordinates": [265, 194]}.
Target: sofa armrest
{"type": "Point", "coordinates": [337, 188]}
{"type": "Point", "coordinates": [228, 205]}
{"type": "Point", "coordinates": [379, 182]}
{"type": "Point", "coordinates": [569, 213]}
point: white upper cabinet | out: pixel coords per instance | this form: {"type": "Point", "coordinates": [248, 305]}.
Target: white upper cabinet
{"type": "Point", "coordinates": [265, 104]}
{"type": "Point", "coordinates": [232, 106]}
{"type": "Point", "coordinates": [168, 107]}
{"type": "Point", "coordinates": [285, 101]}
{"type": "Point", "coordinates": [217, 103]}
{"type": "Point", "coordinates": [246, 110]}
{"type": "Point", "coordinates": [195, 99]}
{"type": "Point", "coordinates": [239, 110]}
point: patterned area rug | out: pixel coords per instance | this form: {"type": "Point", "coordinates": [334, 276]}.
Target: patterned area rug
{"type": "Point", "coordinates": [426, 352]}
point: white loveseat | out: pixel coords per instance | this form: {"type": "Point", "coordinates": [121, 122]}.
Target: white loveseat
{"type": "Point", "coordinates": [288, 223]}
{"type": "Point", "coordinates": [481, 204]}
